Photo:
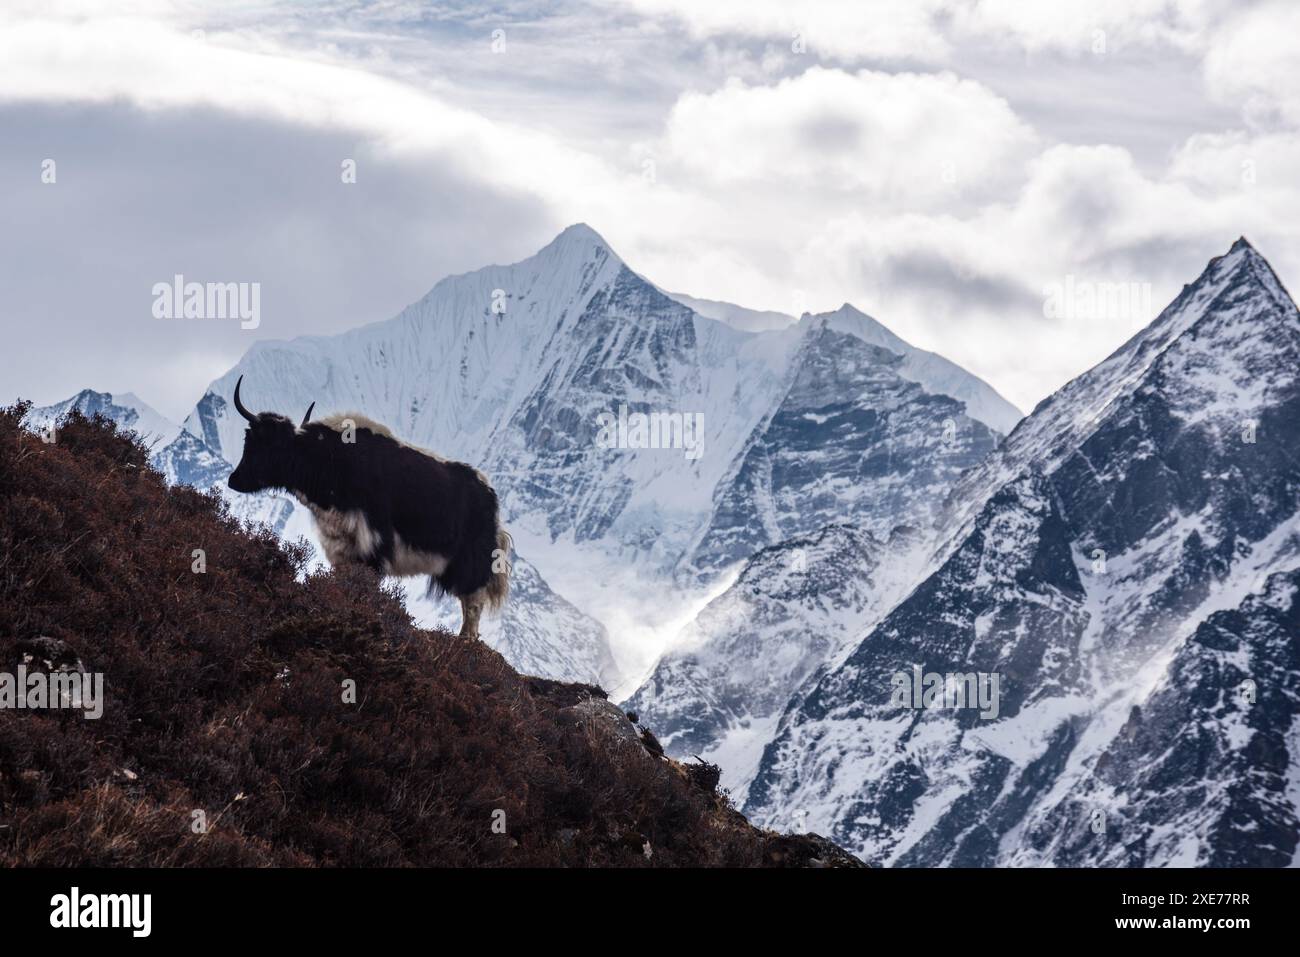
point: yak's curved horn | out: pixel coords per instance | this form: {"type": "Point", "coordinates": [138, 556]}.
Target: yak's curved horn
{"type": "Point", "coordinates": [307, 418]}
{"type": "Point", "coordinates": [239, 406]}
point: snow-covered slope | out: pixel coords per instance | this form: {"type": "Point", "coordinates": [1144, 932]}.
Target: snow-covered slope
{"type": "Point", "coordinates": [792, 609]}
{"type": "Point", "coordinates": [852, 440]}
{"type": "Point", "coordinates": [738, 317]}
{"type": "Point", "coordinates": [1124, 564]}
{"type": "Point", "coordinates": [931, 371]}
{"type": "Point", "coordinates": [538, 632]}
{"type": "Point", "coordinates": [1204, 771]}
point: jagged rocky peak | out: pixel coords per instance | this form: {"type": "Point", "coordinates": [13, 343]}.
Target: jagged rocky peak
{"type": "Point", "coordinates": [852, 319]}
{"type": "Point", "coordinates": [1220, 353]}
{"type": "Point", "coordinates": [1154, 493]}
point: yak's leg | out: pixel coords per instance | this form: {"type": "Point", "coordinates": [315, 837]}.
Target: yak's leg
{"type": "Point", "coordinates": [471, 607]}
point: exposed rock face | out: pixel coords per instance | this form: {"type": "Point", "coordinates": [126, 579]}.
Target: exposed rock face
{"type": "Point", "coordinates": [1125, 563]}
{"type": "Point", "coordinates": [794, 606]}
{"type": "Point", "coordinates": [853, 440]}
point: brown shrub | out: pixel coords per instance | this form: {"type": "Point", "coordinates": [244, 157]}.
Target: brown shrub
{"type": "Point", "coordinates": [224, 694]}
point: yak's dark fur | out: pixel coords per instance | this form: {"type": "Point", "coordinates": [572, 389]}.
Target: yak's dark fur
{"type": "Point", "coordinates": [436, 506]}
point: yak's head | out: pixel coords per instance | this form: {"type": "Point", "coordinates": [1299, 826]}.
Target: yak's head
{"type": "Point", "coordinates": [269, 450]}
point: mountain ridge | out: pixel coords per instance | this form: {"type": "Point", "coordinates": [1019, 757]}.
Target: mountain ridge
{"type": "Point", "coordinates": [1139, 501]}
{"type": "Point", "coordinates": [508, 367]}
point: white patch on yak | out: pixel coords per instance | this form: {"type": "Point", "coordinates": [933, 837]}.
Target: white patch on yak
{"type": "Point", "coordinates": [345, 536]}
{"type": "Point", "coordinates": [349, 537]}
{"type": "Point", "coordinates": [412, 561]}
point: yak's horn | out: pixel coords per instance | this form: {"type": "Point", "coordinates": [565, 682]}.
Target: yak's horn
{"type": "Point", "coordinates": [239, 406]}
{"type": "Point", "coordinates": [307, 418]}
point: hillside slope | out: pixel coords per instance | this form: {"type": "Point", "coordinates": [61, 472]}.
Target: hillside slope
{"type": "Point", "coordinates": [540, 632]}
{"type": "Point", "coordinates": [226, 693]}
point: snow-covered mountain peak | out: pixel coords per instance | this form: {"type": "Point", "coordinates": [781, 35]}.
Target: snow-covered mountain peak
{"type": "Point", "coordinates": [570, 265]}
{"type": "Point", "coordinates": [1255, 268]}
{"type": "Point", "coordinates": [1243, 263]}
{"type": "Point", "coordinates": [932, 372]}
{"type": "Point", "coordinates": [1221, 350]}
{"type": "Point", "coordinates": [1242, 243]}
{"type": "Point", "coordinates": [178, 454]}
{"type": "Point", "coordinates": [126, 409]}
{"type": "Point", "coordinates": [850, 319]}
{"type": "Point", "coordinates": [1239, 284]}
{"type": "Point", "coordinates": [1107, 562]}
{"type": "Point", "coordinates": [577, 240]}
{"type": "Point", "coordinates": [849, 313]}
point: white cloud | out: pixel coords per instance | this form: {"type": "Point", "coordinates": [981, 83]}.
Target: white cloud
{"type": "Point", "coordinates": [834, 29]}
{"type": "Point", "coordinates": [974, 287]}
{"type": "Point", "coordinates": [159, 63]}
{"type": "Point", "coordinates": [1254, 62]}
{"type": "Point", "coordinates": [889, 139]}
{"type": "Point", "coordinates": [1088, 26]}
{"type": "Point", "coordinates": [922, 197]}
{"type": "Point", "coordinates": [929, 31]}
{"type": "Point", "coordinates": [1257, 166]}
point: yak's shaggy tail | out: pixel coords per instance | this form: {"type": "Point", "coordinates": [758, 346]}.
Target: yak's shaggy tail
{"type": "Point", "coordinates": [498, 586]}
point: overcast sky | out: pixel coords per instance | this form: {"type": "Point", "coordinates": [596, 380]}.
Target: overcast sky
{"type": "Point", "coordinates": [945, 165]}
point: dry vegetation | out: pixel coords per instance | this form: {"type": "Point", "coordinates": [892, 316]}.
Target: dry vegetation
{"type": "Point", "coordinates": [224, 693]}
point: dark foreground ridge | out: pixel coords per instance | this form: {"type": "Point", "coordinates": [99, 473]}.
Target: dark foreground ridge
{"type": "Point", "coordinates": [229, 737]}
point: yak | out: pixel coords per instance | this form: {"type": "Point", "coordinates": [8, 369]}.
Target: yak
{"type": "Point", "coordinates": [377, 501]}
